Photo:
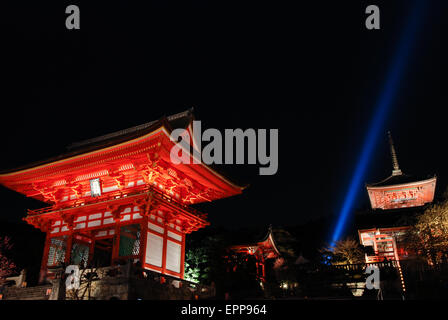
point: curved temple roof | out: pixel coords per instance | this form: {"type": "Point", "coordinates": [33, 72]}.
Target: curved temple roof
{"type": "Point", "coordinates": [399, 180]}
{"type": "Point", "coordinates": [267, 244]}
{"type": "Point", "coordinates": [178, 120]}
{"type": "Point", "coordinates": [397, 177]}
{"type": "Point", "coordinates": [105, 148]}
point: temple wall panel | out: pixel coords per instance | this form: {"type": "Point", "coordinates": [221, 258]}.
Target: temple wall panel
{"type": "Point", "coordinates": [173, 252]}
{"type": "Point", "coordinates": [165, 247]}
{"type": "Point", "coordinates": [154, 250]}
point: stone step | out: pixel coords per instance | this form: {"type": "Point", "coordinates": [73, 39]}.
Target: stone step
{"type": "Point", "coordinates": [31, 293]}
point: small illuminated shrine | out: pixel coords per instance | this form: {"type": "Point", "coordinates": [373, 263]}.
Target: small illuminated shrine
{"type": "Point", "coordinates": [398, 191]}
{"type": "Point", "coordinates": [118, 197]}
{"type": "Point", "coordinates": [261, 250]}
{"type": "Point", "coordinates": [385, 243]}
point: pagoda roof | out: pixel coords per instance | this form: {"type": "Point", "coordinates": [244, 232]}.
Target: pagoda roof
{"type": "Point", "coordinates": [178, 120]}
{"type": "Point", "coordinates": [400, 179]}
{"type": "Point", "coordinates": [397, 178]}
{"type": "Point", "coordinates": [265, 242]}
{"type": "Point", "coordinates": [98, 152]}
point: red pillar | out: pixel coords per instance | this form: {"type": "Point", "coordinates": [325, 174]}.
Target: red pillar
{"type": "Point", "coordinates": [143, 236]}
{"type": "Point", "coordinates": [43, 266]}
{"type": "Point", "coordinates": [68, 250]}
{"type": "Point", "coordinates": [182, 257]}
{"type": "Point", "coordinates": [91, 249]}
{"type": "Point", "coordinates": [165, 242]}
{"type": "Point", "coordinates": [116, 246]}
{"type": "Point", "coordinates": [262, 270]}
{"type": "Point", "coordinates": [257, 267]}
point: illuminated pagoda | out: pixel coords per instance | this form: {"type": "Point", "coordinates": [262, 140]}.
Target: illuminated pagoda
{"type": "Point", "coordinates": [397, 193]}
{"type": "Point", "coordinates": [118, 197]}
{"type": "Point", "coordinates": [400, 190]}
{"type": "Point", "coordinates": [261, 250]}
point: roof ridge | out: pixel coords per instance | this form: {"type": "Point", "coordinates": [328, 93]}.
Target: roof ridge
{"type": "Point", "coordinates": [391, 176]}
{"type": "Point", "coordinates": [125, 131]}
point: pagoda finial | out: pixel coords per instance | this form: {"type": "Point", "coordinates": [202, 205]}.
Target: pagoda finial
{"type": "Point", "coordinates": [396, 169]}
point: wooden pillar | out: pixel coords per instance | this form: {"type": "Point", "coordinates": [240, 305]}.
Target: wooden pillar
{"type": "Point", "coordinates": [257, 267]}
{"type": "Point", "coordinates": [145, 209]}
{"type": "Point", "coordinates": [263, 273]}
{"type": "Point", "coordinates": [91, 249]}
{"type": "Point", "coordinates": [165, 243]}
{"type": "Point", "coordinates": [143, 236]}
{"type": "Point", "coordinates": [182, 257]}
{"type": "Point", "coordinates": [69, 219]}
{"type": "Point", "coordinates": [116, 242]}
{"type": "Point", "coordinates": [68, 248]}
{"type": "Point", "coordinates": [43, 266]}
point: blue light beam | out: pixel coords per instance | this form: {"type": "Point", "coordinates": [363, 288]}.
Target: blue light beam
{"type": "Point", "coordinates": [385, 100]}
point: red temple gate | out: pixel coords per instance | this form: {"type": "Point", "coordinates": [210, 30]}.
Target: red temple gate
{"type": "Point", "coordinates": [261, 251]}
{"type": "Point", "coordinates": [119, 197]}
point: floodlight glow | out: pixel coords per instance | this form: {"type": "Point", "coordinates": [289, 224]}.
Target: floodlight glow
{"type": "Point", "coordinates": [376, 126]}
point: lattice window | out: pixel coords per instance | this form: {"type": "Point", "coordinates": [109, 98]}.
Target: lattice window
{"type": "Point", "coordinates": [129, 240]}
{"type": "Point", "coordinates": [80, 254]}
{"type": "Point", "coordinates": [56, 250]}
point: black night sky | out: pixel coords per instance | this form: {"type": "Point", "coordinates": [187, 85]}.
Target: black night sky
{"type": "Point", "coordinates": [313, 71]}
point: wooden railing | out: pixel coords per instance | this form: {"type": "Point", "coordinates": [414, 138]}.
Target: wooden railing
{"type": "Point", "coordinates": [363, 266]}
{"type": "Point", "coordinates": [116, 195]}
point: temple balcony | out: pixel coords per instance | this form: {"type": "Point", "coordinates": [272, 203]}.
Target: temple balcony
{"type": "Point", "coordinates": [117, 197]}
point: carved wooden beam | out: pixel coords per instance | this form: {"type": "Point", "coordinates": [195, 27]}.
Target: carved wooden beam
{"type": "Point", "coordinates": [119, 178]}
{"type": "Point", "coordinates": [115, 210]}
{"type": "Point", "coordinates": [76, 187]}
{"type": "Point", "coordinates": [39, 223]}
{"type": "Point", "coordinates": [47, 193]}
{"type": "Point", "coordinates": [170, 217]}
{"type": "Point", "coordinates": [69, 219]}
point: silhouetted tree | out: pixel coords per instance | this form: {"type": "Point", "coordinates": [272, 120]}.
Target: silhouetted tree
{"type": "Point", "coordinates": [428, 237]}
{"type": "Point", "coordinates": [286, 243]}
{"type": "Point", "coordinates": [347, 251]}
{"type": "Point", "coordinates": [7, 266]}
